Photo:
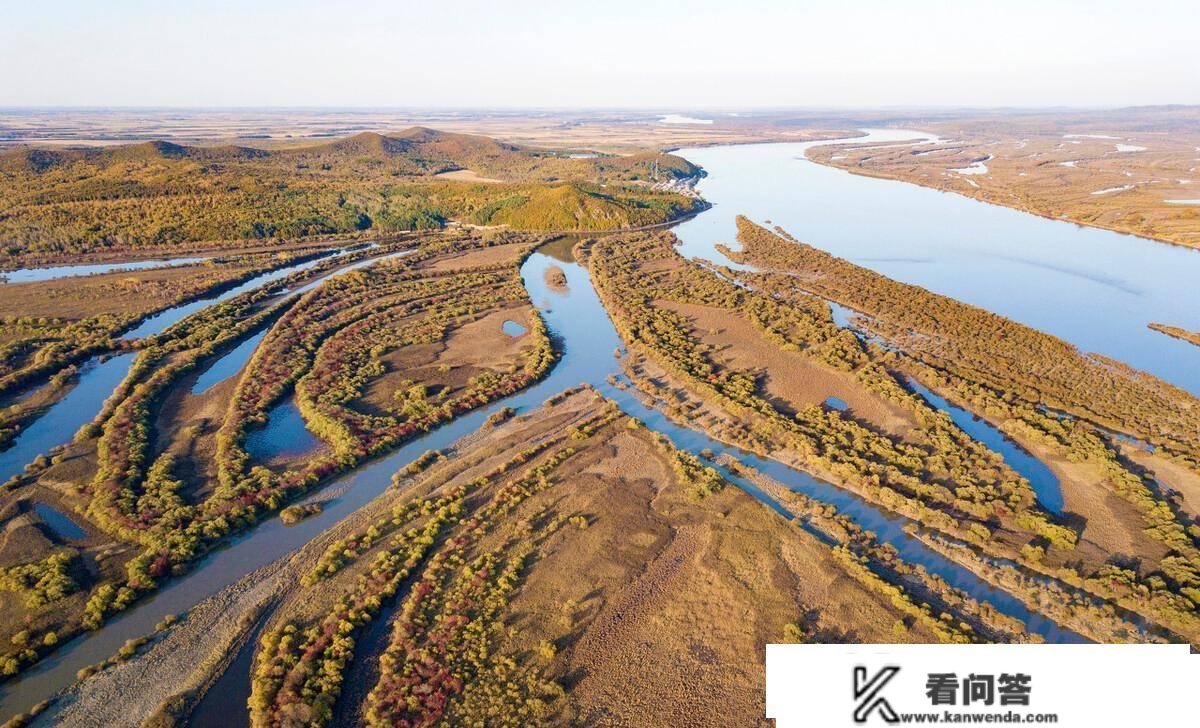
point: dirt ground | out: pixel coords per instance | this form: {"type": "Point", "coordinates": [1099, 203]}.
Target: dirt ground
{"type": "Point", "coordinates": [448, 366]}
{"type": "Point", "coordinates": [660, 608]}
{"type": "Point", "coordinates": [681, 596]}
{"type": "Point", "coordinates": [494, 255]}
{"type": "Point", "coordinates": [1112, 526]}
{"type": "Point", "coordinates": [1170, 474]}
{"type": "Point", "coordinates": [183, 659]}
{"type": "Point", "coordinates": [792, 381]}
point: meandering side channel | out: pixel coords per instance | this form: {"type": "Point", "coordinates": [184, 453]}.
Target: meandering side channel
{"type": "Point", "coordinates": [579, 322]}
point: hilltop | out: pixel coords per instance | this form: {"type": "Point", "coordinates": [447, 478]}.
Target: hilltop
{"type": "Point", "coordinates": [158, 194]}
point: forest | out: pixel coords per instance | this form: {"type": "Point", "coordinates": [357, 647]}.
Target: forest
{"type": "Point", "coordinates": [160, 195]}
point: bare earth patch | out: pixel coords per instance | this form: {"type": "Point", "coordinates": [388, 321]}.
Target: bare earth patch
{"type": "Point", "coordinates": [466, 175]}
{"type": "Point", "coordinates": [792, 380]}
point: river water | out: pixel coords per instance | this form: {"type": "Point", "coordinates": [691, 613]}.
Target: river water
{"type": "Point", "coordinates": [100, 375]}
{"type": "Point", "coordinates": [49, 273]}
{"type": "Point", "coordinates": [577, 319]}
{"type": "Point", "coordinates": [587, 339]}
{"type": "Point", "coordinates": [1094, 288]}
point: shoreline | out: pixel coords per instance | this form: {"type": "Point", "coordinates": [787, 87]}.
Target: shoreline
{"type": "Point", "coordinates": [979, 197]}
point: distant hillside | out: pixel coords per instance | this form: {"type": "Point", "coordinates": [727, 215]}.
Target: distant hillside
{"type": "Point", "coordinates": [418, 151]}
{"type": "Point", "coordinates": [155, 194]}
{"type": "Point", "coordinates": [580, 207]}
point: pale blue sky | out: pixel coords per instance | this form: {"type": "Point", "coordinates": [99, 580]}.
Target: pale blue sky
{"type": "Point", "coordinates": [602, 53]}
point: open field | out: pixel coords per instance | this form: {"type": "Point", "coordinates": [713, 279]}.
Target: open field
{"type": "Point", "coordinates": [1133, 173]}
{"type": "Point", "coordinates": [1056, 402]}
{"type": "Point", "coordinates": [50, 327]}
{"type": "Point", "coordinates": [617, 132]}
{"type": "Point", "coordinates": [561, 563]}
{"type": "Point", "coordinates": [589, 570]}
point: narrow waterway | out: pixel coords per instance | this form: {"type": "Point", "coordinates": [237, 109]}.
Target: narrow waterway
{"type": "Point", "coordinates": [54, 272]}
{"type": "Point", "coordinates": [232, 362]}
{"type": "Point", "coordinates": [160, 321]}
{"type": "Point", "coordinates": [580, 325]}
{"type": "Point", "coordinates": [1094, 288]}
{"type": "Point", "coordinates": [1045, 483]}
{"type": "Point", "coordinates": [101, 374]}
{"type": "Point", "coordinates": [228, 365]}
{"type": "Point", "coordinates": [62, 419]}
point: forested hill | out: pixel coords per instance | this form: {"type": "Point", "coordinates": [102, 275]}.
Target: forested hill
{"type": "Point", "coordinates": [159, 194]}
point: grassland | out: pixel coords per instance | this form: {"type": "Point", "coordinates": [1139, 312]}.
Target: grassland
{"type": "Point", "coordinates": [564, 565]}
{"type": "Point", "coordinates": [579, 131]}
{"type": "Point", "coordinates": [1133, 176]}
{"type": "Point", "coordinates": [47, 328]}
{"type": "Point", "coordinates": [891, 446]}
{"type": "Point", "coordinates": [537, 573]}
{"type": "Point", "coordinates": [539, 576]}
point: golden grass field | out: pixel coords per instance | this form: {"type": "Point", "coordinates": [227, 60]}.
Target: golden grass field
{"type": "Point", "coordinates": [1122, 177]}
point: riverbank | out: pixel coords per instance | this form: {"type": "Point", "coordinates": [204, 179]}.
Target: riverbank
{"type": "Point", "coordinates": [1050, 176]}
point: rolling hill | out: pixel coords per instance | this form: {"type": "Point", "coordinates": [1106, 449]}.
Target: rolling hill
{"type": "Point", "coordinates": [56, 202]}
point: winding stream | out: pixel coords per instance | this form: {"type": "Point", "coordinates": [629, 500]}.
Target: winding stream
{"type": "Point", "coordinates": [54, 272]}
{"type": "Point", "coordinates": [98, 378]}
{"type": "Point", "coordinates": [577, 319]}
{"type": "Point", "coordinates": [1091, 287]}
{"type": "Point", "coordinates": [101, 374]}
{"type": "Point", "coordinates": [1045, 483]}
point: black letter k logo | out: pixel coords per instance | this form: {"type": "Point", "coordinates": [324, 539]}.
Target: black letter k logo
{"type": "Point", "coordinates": [867, 694]}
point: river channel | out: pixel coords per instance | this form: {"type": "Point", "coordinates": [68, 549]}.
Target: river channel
{"type": "Point", "coordinates": [1094, 288]}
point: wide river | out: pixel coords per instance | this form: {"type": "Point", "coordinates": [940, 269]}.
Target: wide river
{"type": "Point", "coordinates": [1094, 288]}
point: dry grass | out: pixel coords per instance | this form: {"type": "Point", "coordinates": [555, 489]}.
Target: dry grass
{"type": "Point", "coordinates": [466, 175]}
{"type": "Point", "coordinates": [130, 292]}
{"type": "Point", "coordinates": [601, 131]}
{"type": "Point", "coordinates": [790, 380]}
{"type": "Point", "coordinates": [486, 257]}
{"type": "Point", "coordinates": [556, 279]}
{"type": "Point", "coordinates": [1077, 177]}
{"type": "Point", "coordinates": [658, 609]}
{"type": "Point", "coordinates": [1170, 475]}
{"type": "Point", "coordinates": [1112, 528]}
{"type": "Point", "coordinates": [446, 367]}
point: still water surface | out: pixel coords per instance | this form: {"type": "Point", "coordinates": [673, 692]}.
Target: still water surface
{"type": "Point", "coordinates": [1094, 288]}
